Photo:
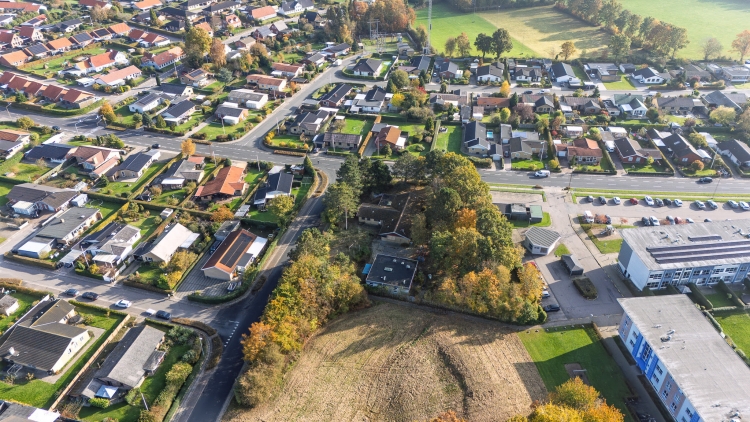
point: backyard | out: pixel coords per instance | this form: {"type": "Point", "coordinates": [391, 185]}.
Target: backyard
{"type": "Point", "coordinates": [147, 225]}
{"type": "Point", "coordinates": [56, 64]}
{"type": "Point", "coordinates": [356, 126]}
{"type": "Point", "coordinates": [168, 197]}
{"type": "Point", "coordinates": [737, 326]}
{"type": "Point", "coordinates": [646, 168]}
{"type": "Point", "coordinates": [253, 176]}
{"type": "Point", "coordinates": [24, 304]}
{"type": "Point", "coordinates": [720, 300]}
{"type": "Point", "coordinates": [449, 141]}
{"type": "Point", "coordinates": [14, 168]}
{"type": "Point", "coordinates": [213, 129]}
{"type": "Point", "coordinates": [106, 208]}
{"type": "Point", "coordinates": [288, 141]}
{"type": "Point", "coordinates": [5, 188]}
{"type": "Point", "coordinates": [623, 84]}
{"type": "Point", "coordinates": [551, 349]}
{"type": "Point", "coordinates": [128, 188]}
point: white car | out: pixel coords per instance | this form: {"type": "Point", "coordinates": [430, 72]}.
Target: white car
{"type": "Point", "coordinates": [677, 202]}
{"type": "Point", "coordinates": [122, 303]}
{"type": "Point", "coordinates": [545, 294]}
{"type": "Point", "coordinates": [616, 200]}
{"type": "Point", "coordinates": [744, 206]}
{"type": "Point", "coordinates": [649, 200]}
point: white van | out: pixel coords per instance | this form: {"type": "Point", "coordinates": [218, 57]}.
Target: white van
{"type": "Point", "coordinates": [588, 217]}
{"type": "Point", "coordinates": [542, 173]}
{"type": "Point", "coordinates": [610, 146]}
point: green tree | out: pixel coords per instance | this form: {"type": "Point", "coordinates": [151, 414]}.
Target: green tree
{"type": "Point", "coordinates": [154, 18]}
{"type": "Point", "coordinates": [504, 114]}
{"type": "Point", "coordinates": [567, 49]}
{"type": "Point", "coordinates": [197, 44]}
{"type": "Point", "coordinates": [420, 234]}
{"type": "Point", "coordinates": [281, 206]}
{"type": "Point", "coordinates": [350, 173]}
{"type": "Point", "coordinates": [311, 242]}
{"type": "Point", "coordinates": [501, 42]}
{"type": "Point", "coordinates": [160, 122]}
{"type": "Point", "coordinates": [711, 47]}
{"type": "Point", "coordinates": [450, 46]}
{"type": "Point", "coordinates": [723, 115]}
{"type": "Point", "coordinates": [341, 200]}
{"type": "Point", "coordinates": [25, 122]}
{"type": "Point", "coordinates": [619, 46]}
{"type": "Point", "coordinates": [400, 79]}
{"type": "Point", "coordinates": [483, 43]}
{"type": "Point", "coordinates": [698, 140]}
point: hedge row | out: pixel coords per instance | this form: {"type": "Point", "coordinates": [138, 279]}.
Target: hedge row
{"type": "Point", "coordinates": [86, 273]}
{"type": "Point", "coordinates": [699, 298]}
{"type": "Point", "coordinates": [54, 112]}
{"type": "Point", "coordinates": [363, 147]}
{"type": "Point", "coordinates": [211, 331]}
{"type": "Point", "coordinates": [212, 300]}
{"type": "Point", "coordinates": [144, 286]}
{"type": "Point", "coordinates": [21, 289]}
{"type": "Point", "coordinates": [165, 131]}
{"type": "Point", "coordinates": [49, 265]}
{"type": "Point", "coordinates": [217, 349]}
{"type": "Point", "coordinates": [98, 308]}
{"type": "Point", "coordinates": [289, 152]}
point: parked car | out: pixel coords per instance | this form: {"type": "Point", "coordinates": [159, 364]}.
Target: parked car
{"type": "Point", "coordinates": [700, 204]}
{"type": "Point", "coordinates": [671, 220]}
{"type": "Point", "coordinates": [163, 315]}
{"type": "Point", "coordinates": [677, 202]}
{"type": "Point", "coordinates": [678, 220]}
{"type": "Point", "coordinates": [733, 204]}
{"type": "Point", "coordinates": [590, 198]}
{"type": "Point", "coordinates": [707, 220]}
{"type": "Point", "coordinates": [634, 201]}
{"type": "Point", "coordinates": [713, 205]}
{"type": "Point", "coordinates": [551, 308]}
{"type": "Point", "coordinates": [654, 221]}
{"type": "Point", "coordinates": [690, 220]}
{"type": "Point", "coordinates": [705, 180]}
{"type": "Point", "coordinates": [646, 221]}
{"type": "Point", "coordinates": [658, 202]}
{"type": "Point", "coordinates": [71, 292]}
{"type": "Point", "coordinates": [744, 206]}
{"type": "Point", "coordinates": [545, 294]}
{"type": "Point", "coordinates": [607, 219]}
{"type": "Point", "coordinates": [667, 201]}
{"type": "Point", "coordinates": [155, 146]}
{"type": "Point", "coordinates": [649, 201]}
{"type": "Point", "coordinates": [90, 296]}
{"type": "Point", "coordinates": [528, 91]}
{"type": "Point", "coordinates": [56, 128]}
{"type": "Point", "coordinates": [602, 200]}
{"type": "Point", "coordinates": [122, 303]}
{"type": "Point", "coordinates": [616, 200]}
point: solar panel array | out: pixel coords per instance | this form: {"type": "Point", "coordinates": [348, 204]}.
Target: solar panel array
{"type": "Point", "coordinates": [239, 247]}
{"type": "Point", "coordinates": [700, 252]}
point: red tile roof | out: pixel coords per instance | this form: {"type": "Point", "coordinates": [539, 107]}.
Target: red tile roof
{"type": "Point", "coordinates": [205, 26]}
{"type": "Point", "coordinates": [145, 4]}
{"type": "Point", "coordinates": [59, 43]}
{"type": "Point", "coordinates": [119, 28]}
{"type": "Point", "coordinates": [165, 56]}
{"type": "Point", "coordinates": [75, 95]}
{"type": "Point", "coordinates": [120, 74]}
{"type": "Point", "coordinates": [27, 7]}
{"type": "Point", "coordinates": [7, 77]}
{"type": "Point", "coordinates": [14, 57]}
{"type": "Point", "coordinates": [262, 12]}
{"type": "Point", "coordinates": [12, 135]}
{"type": "Point", "coordinates": [103, 59]}
{"type": "Point", "coordinates": [227, 182]}
{"type": "Point", "coordinates": [54, 92]}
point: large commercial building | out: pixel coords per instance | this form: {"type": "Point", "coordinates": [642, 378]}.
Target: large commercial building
{"type": "Point", "coordinates": [700, 253]}
{"type": "Point", "coordinates": [694, 372]}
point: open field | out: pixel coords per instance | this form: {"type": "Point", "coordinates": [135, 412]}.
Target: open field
{"type": "Point", "coordinates": [551, 350]}
{"type": "Point", "coordinates": [448, 23]}
{"type": "Point", "coordinates": [723, 19]}
{"type": "Point", "coordinates": [392, 362]}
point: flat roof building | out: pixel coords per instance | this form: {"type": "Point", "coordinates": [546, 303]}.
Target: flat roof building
{"type": "Point", "coordinates": [694, 372]}
{"type": "Point", "coordinates": [392, 272]}
{"type": "Point", "coordinates": [701, 253]}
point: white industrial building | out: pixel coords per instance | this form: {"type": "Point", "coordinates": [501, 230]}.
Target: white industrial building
{"type": "Point", "coordinates": [700, 253]}
{"type": "Point", "coordinates": [695, 373]}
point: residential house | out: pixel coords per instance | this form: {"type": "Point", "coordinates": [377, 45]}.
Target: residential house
{"type": "Point", "coordinates": [543, 105]}
{"type": "Point", "coordinates": [630, 105]}
{"type": "Point", "coordinates": [278, 27]}
{"type": "Point", "coordinates": [279, 183]}
{"type": "Point", "coordinates": [119, 29]}
{"type": "Point", "coordinates": [67, 26]}
{"type": "Point", "coordinates": [244, 43]}
{"type": "Point", "coordinates": [134, 165]}
{"type": "Point", "coordinates": [335, 97]}
{"type": "Point", "coordinates": [178, 113]}
{"type": "Point", "coordinates": [146, 4]}
{"type": "Point", "coordinates": [314, 19]}
{"type": "Point", "coordinates": [691, 72]}
{"type": "Point", "coordinates": [232, 21]}
{"type": "Point", "coordinates": [261, 14]}
{"type": "Point", "coordinates": [294, 7]}
{"type": "Point", "coordinates": [737, 152]}
{"type": "Point", "coordinates": [392, 136]}
{"type": "Point", "coordinates": [370, 102]}
{"type": "Point", "coordinates": [43, 340]}
{"type": "Point", "coordinates": [65, 228]}
{"type": "Point", "coordinates": [96, 161]}
{"type": "Point", "coordinates": [196, 4]}
{"type": "Point", "coordinates": [228, 183]}
{"type": "Point", "coordinates": [237, 252]}
{"type": "Point", "coordinates": [230, 113]}
{"type": "Point", "coordinates": [34, 89]}
{"type": "Point", "coordinates": [176, 90]}
{"type": "Point", "coordinates": [119, 77]}
{"type": "Point", "coordinates": [490, 73]}
{"type": "Point", "coordinates": [171, 240]}
{"type": "Point", "coordinates": [525, 148]}
{"type": "Point", "coordinates": [315, 59]}
{"type": "Point", "coordinates": [417, 65]}
{"type": "Point", "coordinates": [35, 21]}
{"type": "Point", "coordinates": [175, 25]}
{"type": "Point", "coordinates": [448, 70]}
{"type": "Point", "coordinates": [74, 98]}
{"type": "Point", "coordinates": [562, 72]}
{"type": "Point", "coordinates": [527, 74]}
{"type": "Point", "coordinates": [97, 63]}
{"type": "Point", "coordinates": [441, 100]}
{"type": "Point", "coordinates": [101, 34]}
{"type": "Point", "coordinates": [387, 214]}
{"type": "Point", "coordinates": [14, 59]}
{"type": "Point", "coordinates": [493, 103]}
{"type": "Point", "coordinates": [677, 105]}
{"type": "Point", "coordinates": [53, 154]}
{"type": "Point", "coordinates": [475, 138]}
{"type": "Point", "coordinates": [165, 58]}
{"type": "Point", "coordinates": [736, 73]}
{"type": "Point", "coordinates": [145, 103]}
{"type": "Point", "coordinates": [10, 135]}
{"type": "Point", "coordinates": [196, 78]}
{"type": "Point", "coordinates": [251, 99]}
{"type": "Point", "coordinates": [605, 72]}
{"type": "Point", "coordinates": [263, 32]}
{"type": "Point", "coordinates": [81, 40]}
{"type": "Point", "coordinates": [343, 141]}
{"type": "Point", "coordinates": [115, 248]}
{"type": "Point", "coordinates": [181, 14]}
{"type": "Point", "coordinates": [206, 27]}
{"type": "Point", "coordinates": [152, 39]}
{"type": "Point", "coordinates": [31, 198]}
{"type": "Point", "coordinates": [308, 123]}
{"type": "Point", "coordinates": [617, 132]}
{"type": "Point", "coordinates": [681, 151]}
{"type": "Point", "coordinates": [631, 151]}
{"type": "Point", "coordinates": [649, 76]}
{"type": "Point", "coordinates": [135, 357]}
{"type": "Point", "coordinates": [392, 273]}
{"type": "Point", "coordinates": [10, 148]}
{"type": "Point", "coordinates": [720, 98]}
{"type": "Point", "coordinates": [286, 70]}
{"type": "Point", "coordinates": [7, 19]}
{"type": "Point", "coordinates": [585, 151]}
{"type": "Point", "coordinates": [368, 67]}
{"type": "Point", "coordinates": [336, 50]}
{"type": "Point", "coordinates": [222, 7]}
{"type": "Point", "coordinates": [180, 173]}
{"type": "Point", "coordinates": [10, 40]}
{"type": "Point", "coordinates": [267, 82]}
{"type": "Point", "coordinates": [38, 51]}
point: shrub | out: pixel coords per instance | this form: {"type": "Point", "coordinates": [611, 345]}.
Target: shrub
{"type": "Point", "coordinates": [133, 397]}
{"type": "Point", "coordinates": [586, 288]}
{"type": "Point", "coordinates": [98, 402]}
{"type": "Point", "coordinates": [178, 374]}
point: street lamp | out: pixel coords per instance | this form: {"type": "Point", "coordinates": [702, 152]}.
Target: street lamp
{"type": "Point", "coordinates": [6, 109]}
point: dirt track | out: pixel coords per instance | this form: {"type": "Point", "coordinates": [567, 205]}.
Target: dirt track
{"type": "Point", "coordinates": [396, 363]}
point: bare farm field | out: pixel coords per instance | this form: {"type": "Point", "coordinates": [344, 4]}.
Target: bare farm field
{"type": "Point", "coordinates": [397, 363]}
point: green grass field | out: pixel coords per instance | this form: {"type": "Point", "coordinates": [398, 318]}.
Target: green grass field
{"type": "Point", "coordinates": [21, 171]}
{"type": "Point", "coordinates": [551, 350]}
{"type": "Point", "coordinates": [736, 326]}
{"type": "Point", "coordinates": [356, 126]}
{"type": "Point", "coordinates": [561, 250]}
{"type": "Point", "coordinates": [623, 84]}
{"type": "Point", "coordinates": [24, 304]}
{"type": "Point", "coordinates": [56, 64]}
{"type": "Point", "coordinates": [4, 189]}
{"type": "Point", "coordinates": [604, 246]}
{"type": "Point", "coordinates": [447, 23]}
{"type": "Point", "coordinates": [546, 222]}
{"type": "Point", "coordinates": [723, 19]}
{"type": "Point", "coordinates": [450, 141]}
{"type": "Point", "coordinates": [118, 188]}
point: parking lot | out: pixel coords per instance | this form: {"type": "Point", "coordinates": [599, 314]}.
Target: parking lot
{"type": "Point", "coordinates": [635, 212]}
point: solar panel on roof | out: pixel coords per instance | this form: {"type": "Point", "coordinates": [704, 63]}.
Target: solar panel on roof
{"type": "Point", "coordinates": [701, 252]}
{"type": "Point", "coordinates": [237, 250]}
{"type": "Point", "coordinates": [704, 238]}
{"type": "Point", "coordinates": [696, 246]}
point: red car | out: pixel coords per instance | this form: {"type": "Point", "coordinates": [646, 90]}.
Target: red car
{"type": "Point", "coordinates": [634, 201]}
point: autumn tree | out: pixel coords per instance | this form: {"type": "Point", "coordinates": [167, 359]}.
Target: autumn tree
{"type": "Point", "coordinates": [723, 115]}
{"type": "Point", "coordinates": [619, 45]}
{"type": "Point", "coordinates": [711, 47]}
{"type": "Point", "coordinates": [26, 122]}
{"type": "Point", "coordinates": [741, 44]}
{"type": "Point", "coordinates": [567, 49]}
{"type": "Point", "coordinates": [399, 78]}
{"type": "Point", "coordinates": [187, 147]}
{"type": "Point", "coordinates": [450, 46]}
{"type": "Point", "coordinates": [394, 15]}
{"type": "Point", "coordinates": [197, 44]}
{"type": "Point", "coordinates": [501, 42]}
{"type": "Point", "coordinates": [281, 206]}
{"type": "Point", "coordinates": [222, 214]}
{"type": "Point", "coordinates": [218, 54]}
{"type": "Point", "coordinates": [98, 14]}
{"type": "Point", "coordinates": [697, 165]}
{"type": "Point", "coordinates": [463, 45]}
{"type": "Point", "coordinates": [575, 401]}
{"type": "Point", "coordinates": [505, 89]}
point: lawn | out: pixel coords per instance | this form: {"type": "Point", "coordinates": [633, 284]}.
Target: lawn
{"type": "Point", "coordinates": [551, 350]}
{"type": "Point", "coordinates": [413, 150]}
{"type": "Point", "coordinates": [719, 300]}
{"type": "Point", "coordinates": [196, 117]}
{"type": "Point", "coordinates": [55, 65]}
{"type": "Point", "coordinates": [105, 208]}
{"type": "Point", "coordinates": [147, 225]}
{"type": "Point", "coordinates": [602, 167]}
{"type": "Point", "coordinates": [233, 204]}
{"type": "Point", "coordinates": [24, 304]}
{"type": "Point", "coordinates": [39, 393]}
{"type": "Point", "coordinates": [118, 188]}
{"type": "Point", "coordinates": [356, 126]}
{"type": "Point", "coordinates": [5, 188]}
{"type": "Point", "coordinates": [166, 195]}
{"type": "Point", "coordinates": [645, 168]}
{"type": "Point", "coordinates": [447, 23]}
{"type": "Point", "coordinates": [213, 129]}
{"type": "Point", "coordinates": [546, 222]}
{"type": "Point", "coordinates": [736, 326]}
{"type": "Point", "coordinates": [623, 84]}
{"type": "Point", "coordinates": [124, 115]}
{"type": "Point", "coordinates": [288, 141]}
{"type": "Point", "coordinates": [252, 176]}
{"type": "Point", "coordinates": [723, 19]}
{"type": "Point", "coordinates": [604, 246]}
{"type": "Point", "coordinates": [449, 141]}
{"type": "Point", "coordinates": [150, 273]}
{"type": "Point", "coordinates": [700, 173]}
{"type": "Point", "coordinates": [561, 250]}
{"type": "Point", "coordinates": [21, 171]}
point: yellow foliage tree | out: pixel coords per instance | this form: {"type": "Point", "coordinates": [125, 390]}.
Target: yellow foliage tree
{"type": "Point", "coordinates": [505, 89]}
{"type": "Point", "coordinates": [466, 219]}
{"type": "Point", "coordinates": [187, 147]}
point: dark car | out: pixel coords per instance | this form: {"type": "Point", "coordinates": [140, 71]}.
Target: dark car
{"type": "Point", "coordinates": [707, 220]}
{"type": "Point", "coordinates": [155, 146]}
{"type": "Point", "coordinates": [658, 202]}
{"type": "Point", "coordinates": [607, 219]}
{"type": "Point", "coordinates": [602, 200]}
{"type": "Point", "coordinates": [57, 128]}
{"type": "Point", "coordinates": [590, 198]}
{"type": "Point", "coordinates": [528, 92]}
{"type": "Point", "coordinates": [71, 292]}
{"type": "Point", "coordinates": [90, 296]}
{"type": "Point", "coordinates": [667, 201]}
{"type": "Point", "coordinates": [551, 308]}
{"type": "Point", "coordinates": [646, 221]}
{"type": "Point", "coordinates": [705, 180]}
{"type": "Point", "coordinates": [163, 315]}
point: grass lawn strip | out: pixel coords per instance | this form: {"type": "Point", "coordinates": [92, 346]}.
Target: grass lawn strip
{"type": "Point", "coordinates": [623, 84]}
{"type": "Point", "coordinates": [118, 188]}
{"type": "Point", "coordinates": [719, 299]}
{"type": "Point", "coordinates": [21, 171]}
{"type": "Point", "coordinates": [736, 326]}
{"type": "Point", "coordinates": [147, 225]}
{"type": "Point", "coordinates": [561, 250]}
{"type": "Point", "coordinates": [24, 304]}
{"type": "Point", "coordinates": [552, 350]}
{"type": "Point", "coordinates": [604, 246]}
{"type": "Point", "coordinates": [5, 188]}
{"type": "Point", "coordinates": [546, 222]}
